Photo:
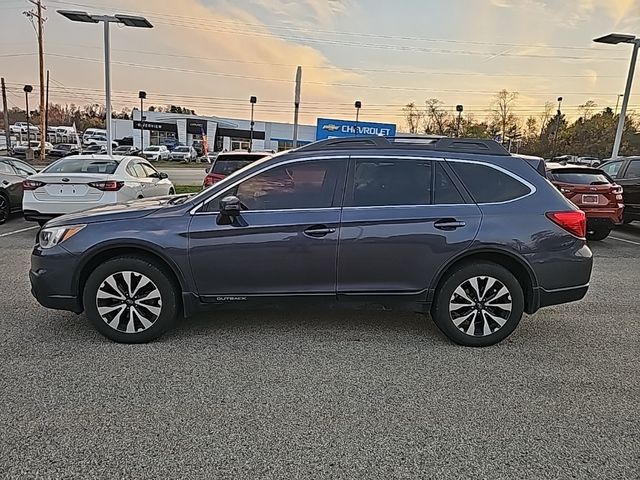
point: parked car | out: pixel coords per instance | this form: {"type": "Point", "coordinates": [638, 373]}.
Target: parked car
{"type": "Point", "coordinates": [80, 182]}
{"type": "Point", "coordinates": [594, 192]}
{"type": "Point", "coordinates": [127, 150]}
{"type": "Point", "coordinates": [90, 132]}
{"type": "Point", "coordinates": [226, 163]}
{"type": "Point", "coordinates": [12, 173]}
{"type": "Point", "coordinates": [588, 161]}
{"type": "Point", "coordinates": [458, 227]}
{"type": "Point", "coordinates": [64, 149]}
{"type": "Point", "coordinates": [156, 152]}
{"type": "Point", "coordinates": [183, 154]}
{"type": "Point", "coordinates": [199, 148]}
{"type": "Point", "coordinates": [94, 149]}
{"type": "Point", "coordinates": [21, 149]}
{"type": "Point", "coordinates": [65, 131]}
{"type": "Point", "coordinates": [23, 127]}
{"type": "Point", "coordinates": [626, 173]}
{"type": "Point", "coordinates": [100, 140]}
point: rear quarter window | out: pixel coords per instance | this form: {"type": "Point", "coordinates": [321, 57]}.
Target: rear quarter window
{"type": "Point", "coordinates": [487, 184]}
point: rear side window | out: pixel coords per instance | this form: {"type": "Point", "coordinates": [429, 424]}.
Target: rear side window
{"type": "Point", "coordinates": [633, 170]}
{"type": "Point", "coordinates": [445, 191]}
{"type": "Point", "coordinates": [612, 168]}
{"type": "Point", "coordinates": [579, 178]}
{"type": "Point", "coordinates": [392, 182]}
{"type": "Point", "coordinates": [487, 184]}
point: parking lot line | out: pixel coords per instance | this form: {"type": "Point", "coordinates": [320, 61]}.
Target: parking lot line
{"type": "Point", "coordinates": [19, 231]}
{"type": "Point", "coordinates": [624, 240]}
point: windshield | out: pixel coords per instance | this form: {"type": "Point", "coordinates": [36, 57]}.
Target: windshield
{"type": "Point", "coordinates": [153, 149]}
{"type": "Point", "coordinates": [577, 177]}
{"type": "Point", "coordinates": [83, 165]}
{"type": "Point", "coordinates": [181, 149]}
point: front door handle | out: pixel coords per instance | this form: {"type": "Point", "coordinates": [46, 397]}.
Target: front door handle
{"type": "Point", "coordinates": [318, 231]}
{"type": "Point", "coordinates": [449, 224]}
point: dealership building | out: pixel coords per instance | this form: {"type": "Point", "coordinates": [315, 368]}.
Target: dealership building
{"type": "Point", "coordinates": [227, 134]}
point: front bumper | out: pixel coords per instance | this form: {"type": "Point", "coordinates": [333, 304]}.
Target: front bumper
{"type": "Point", "coordinates": [51, 277]}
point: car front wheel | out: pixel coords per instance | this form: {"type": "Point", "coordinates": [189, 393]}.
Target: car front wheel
{"type": "Point", "coordinates": [478, 304]}
{"type": "Point", "coordinates": [130, 299]}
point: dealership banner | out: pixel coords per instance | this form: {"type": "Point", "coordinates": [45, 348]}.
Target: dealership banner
{"type": "Point", "coordinates": [331, 128]}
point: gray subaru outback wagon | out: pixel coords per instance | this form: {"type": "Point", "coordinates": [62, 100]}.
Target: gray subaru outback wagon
{"type": "Point", "coordinates": [458, 228]}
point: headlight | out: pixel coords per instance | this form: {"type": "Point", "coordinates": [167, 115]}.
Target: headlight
{"type": "Point", "coordinates": [52, 236]}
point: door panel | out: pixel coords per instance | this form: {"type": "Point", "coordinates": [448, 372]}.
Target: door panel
{"type": "Point", "coordinates": [631, 185]}
{"type": "Point", "coordinates": [265, 253]}
{"type": "Point", "coordinates": [399, 249]}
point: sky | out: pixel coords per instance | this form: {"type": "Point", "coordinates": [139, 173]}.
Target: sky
{"type": "Point", "coordinates": [212, 55]}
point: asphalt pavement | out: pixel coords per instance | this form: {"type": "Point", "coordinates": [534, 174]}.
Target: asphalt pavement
{"type": "Point", "coordinates": [323, 394]}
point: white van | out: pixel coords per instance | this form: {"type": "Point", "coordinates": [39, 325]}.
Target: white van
{"type": "Point", "coordinates": [90, 132]}
{"type": "Point", "coordinates": [65, 131]}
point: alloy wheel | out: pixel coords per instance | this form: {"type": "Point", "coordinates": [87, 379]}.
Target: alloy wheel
{"type": "Point", "coordinates": [480, 306]}
{"type": "Point", "coordinates": [4, 209]}
{"type": "Point", "coordinates": [129, 302]}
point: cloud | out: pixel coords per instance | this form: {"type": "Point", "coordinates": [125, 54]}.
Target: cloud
{"type": "Point", "coordinates": [313, 12]}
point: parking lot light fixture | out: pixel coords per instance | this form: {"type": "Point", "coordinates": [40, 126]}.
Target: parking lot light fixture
{"type": "Point", "coordinates": [126, 20]}
{"type": "Point", "coordinates": [615, 39]}
{"type": "Point", "coordinates": [27, 90]}
{"type": "Point", "coordinates": [459, 109]}
{"type": "Point", "coordinates": [142, 95]}
{"type": "Point", "coordinates": [253, 100]}
{"type": "Point", "coordinates": [358, 106]}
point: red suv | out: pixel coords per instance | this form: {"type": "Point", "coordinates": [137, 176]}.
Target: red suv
{"type": "Point", "coordinates": [594, 192]}
{"type": "Point", "coordinates": [228, 162]}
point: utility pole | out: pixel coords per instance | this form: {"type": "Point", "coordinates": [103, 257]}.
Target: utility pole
{"type": "Point", "coordinates": [46, 106]}
{"type": "Point", "coordinates": [38, 15]}
{"type": "Point", "coordinates": [296, 106]}
{"type": "Point", "coordinates": [7, 131]}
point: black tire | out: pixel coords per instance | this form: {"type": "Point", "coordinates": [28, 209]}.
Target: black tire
{"type": "Point", "coordinates": [459, 277]}
{"type": "Point", "coordinates": [598, 233]}
{"type": "Point", "coordinates": [5, 208]}
{"type": "Point", "coordinates": [161, 318]}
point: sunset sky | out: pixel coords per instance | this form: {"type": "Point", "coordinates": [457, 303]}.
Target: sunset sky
{"type": "Point", "coordinates": [212, 55]}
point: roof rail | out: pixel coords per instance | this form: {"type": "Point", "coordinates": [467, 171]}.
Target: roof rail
{"type": "Point", "coordinates": [442, 144]}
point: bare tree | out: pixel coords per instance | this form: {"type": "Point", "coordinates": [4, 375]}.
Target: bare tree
{"type": "Point", "coordinates": [437, 119]}
{"type": "Point", "coordinates": [503, 109]}
{"type": "Point", "coordinates": [586, 109]}
{"type": "Point", "coordinates": [413, 117]}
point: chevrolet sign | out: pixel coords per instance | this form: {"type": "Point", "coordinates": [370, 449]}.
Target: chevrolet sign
{"type": "Point", "coordinates": [331, 128]}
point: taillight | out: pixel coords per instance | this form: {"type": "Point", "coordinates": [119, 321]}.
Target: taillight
{"type": "Point", "coordinates": [573, 221]}
{"type": "Point", "coordinates": [32, 184]}
{"type": "Point", "coordinates": [108, 185]}
{"type": "Point", "coordinates": [617, 189]}
{"type": "Point", "coordinates": [208, 181]}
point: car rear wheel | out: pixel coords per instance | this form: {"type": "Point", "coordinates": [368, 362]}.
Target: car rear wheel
{"type": "Point", "coordinates": [5, 209]}
{"type": "Point", "coordinates": [478, 304]}
{"type": "Point", "coordinates": [598, 233]}
{"type": "Point", "coordinates": [131, 300]}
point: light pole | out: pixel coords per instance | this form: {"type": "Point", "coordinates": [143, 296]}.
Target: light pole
{"type": "Point", "coordinates": [558, 116]}
{"type": "Point", "coordinates": [253, 100]}
{"type": "Point", "coordinates": [614, 39]}
{"type": "Point", "coordinates": [296, 106]}
{"type": "Point", "coordinates": [142, 95]}
{"type": "Point", "coordinates": [358, 106]}
{"type": "Point", "coordinates": [127, 20]}
{"type": "Point", "coordinates": [459, 109]}
{"type": "Point", "coordinates": [620, 95]}
{"type": "Point", "coordinates": [27, 90]}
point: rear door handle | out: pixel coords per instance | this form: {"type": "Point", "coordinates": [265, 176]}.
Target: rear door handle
{"type": "Point", "coordinates": [449, 224]}
{"type": "Point", "coordinates": [317, 231]}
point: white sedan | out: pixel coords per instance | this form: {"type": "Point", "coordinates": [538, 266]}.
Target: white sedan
{"type": "Point", "coordinates": [80, 182]}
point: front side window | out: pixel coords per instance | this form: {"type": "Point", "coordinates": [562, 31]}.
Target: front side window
{"type": "Point", "coordinates": [383, 182]}
{"type": "Point", "coordinates": [310, 184]}
{"type": "Point", "coordinates": [487, 184]}
{"type": "Point", "coordinates": [6, 169]}
{"type": "Point", "coordinates": [148, 170]}
{"type": "Point", "coordinates": [612, 168]}
{"type": "Point", "coordinates": [633, 170]}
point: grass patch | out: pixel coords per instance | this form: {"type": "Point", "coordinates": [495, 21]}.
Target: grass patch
{"type": "Point", "coordinates": [188, 189]}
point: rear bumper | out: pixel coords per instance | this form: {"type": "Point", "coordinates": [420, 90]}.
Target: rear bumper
{"type": "Point", "coordinates": [562, 295]}
{"type": "Point", "coordinates": [603, 216]}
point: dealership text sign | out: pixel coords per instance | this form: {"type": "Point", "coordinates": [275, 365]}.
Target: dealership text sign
{"type": "Point", "coordinates": [331, 128]}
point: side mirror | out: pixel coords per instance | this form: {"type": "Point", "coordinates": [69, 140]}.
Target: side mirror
{"type": "Point", "coordinates": [160, 175]}
{"type": "Point", "coordinates": [230, 206]}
